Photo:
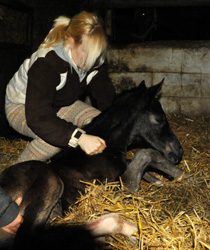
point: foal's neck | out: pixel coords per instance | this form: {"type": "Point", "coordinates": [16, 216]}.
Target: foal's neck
{"type": "Point", "coordinates": [113, 127]}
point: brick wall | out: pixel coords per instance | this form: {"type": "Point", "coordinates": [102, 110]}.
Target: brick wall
{"type": "Point", "coordinates": [184, 65]}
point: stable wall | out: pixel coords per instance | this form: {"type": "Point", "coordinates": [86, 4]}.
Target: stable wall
{"type": "Point", "coordinates": [185, 65]}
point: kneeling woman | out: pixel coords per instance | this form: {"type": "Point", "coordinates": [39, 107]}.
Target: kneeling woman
{"type": "Point", "coordinates": [43, 99]}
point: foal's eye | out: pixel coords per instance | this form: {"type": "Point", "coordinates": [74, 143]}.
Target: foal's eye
{"type": "Point", "coordinates": [157, 120]}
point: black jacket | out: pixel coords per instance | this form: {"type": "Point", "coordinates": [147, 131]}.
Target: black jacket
{"type": "Point", "coordinates": [46, 83]}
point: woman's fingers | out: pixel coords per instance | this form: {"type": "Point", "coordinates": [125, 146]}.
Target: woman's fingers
{"type": "Point", "coordinates": [92, 145]}
{"type": "Point", "coordinates": [14, 225]}
{"type": "Point", "coordinates": [19, 200]}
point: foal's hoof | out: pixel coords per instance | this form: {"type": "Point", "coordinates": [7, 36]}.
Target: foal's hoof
{"type": "Point", "coordinates": [132, 189]}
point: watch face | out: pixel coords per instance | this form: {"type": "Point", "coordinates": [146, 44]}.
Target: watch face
{"type": "Point", "coordinates": [78, 134]}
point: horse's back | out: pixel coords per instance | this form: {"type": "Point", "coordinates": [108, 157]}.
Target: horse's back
{"type": "Point", "coordinates": [75, 164]}
{"type": "Point", "coordinates": [18, 178]}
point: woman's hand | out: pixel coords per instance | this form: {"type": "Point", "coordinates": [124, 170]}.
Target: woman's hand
{"type": "Point", "coordinates": [91, 144]}
{"type": "Point", "coordinates": [14, 225]}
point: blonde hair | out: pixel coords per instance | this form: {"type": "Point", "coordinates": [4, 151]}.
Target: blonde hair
{"type": "Point", "coordinates": [86, 30]}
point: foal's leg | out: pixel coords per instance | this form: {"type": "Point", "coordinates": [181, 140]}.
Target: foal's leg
{"type": "Point", "coordinates": [39, 187]}
{"type": "Point", "coordinates": [41, 201]}
{"type": "Point", "coordinates": [148, 177]}
{"type": "Point", "coordinates": [111, 224]}
{"type": "Point", "coordinates": [141, 161]}
{"type": "Point", "coordinates": [152, 179]}
{"type": "Point", "coordinates": [135, 170]}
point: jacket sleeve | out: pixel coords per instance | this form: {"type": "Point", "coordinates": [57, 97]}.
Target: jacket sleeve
{"type": "Point", "coordinates": [40, 114]}
{"type": "Point", "coordinates": [8, 209]}
{"type": "Point", "coordinates": [101, 89]}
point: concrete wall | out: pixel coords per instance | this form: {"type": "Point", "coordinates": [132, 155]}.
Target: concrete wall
{"type": "Point", "coordinates": [184, 65]}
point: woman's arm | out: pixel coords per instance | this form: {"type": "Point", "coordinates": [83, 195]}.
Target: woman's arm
{"type": "Point", "coordinates": [101, 89]}
{"type": "Point", "coordinates": [41, 117]}
{"type": "Point", "coordinates": [10, 217]}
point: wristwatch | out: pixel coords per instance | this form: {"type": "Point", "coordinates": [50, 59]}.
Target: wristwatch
{"type": "Point", "coordinates": [76, 136]}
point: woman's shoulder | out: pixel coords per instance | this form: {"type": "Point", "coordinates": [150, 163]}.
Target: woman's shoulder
{"type": "Point", "coordinates": [49, 57]}
{"type": "Point", "coordinates": [42, 53]}
{"type": "Point", "coordinates": [39, 54]}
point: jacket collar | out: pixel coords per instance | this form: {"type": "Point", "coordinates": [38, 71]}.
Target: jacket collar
{"type": "Point", "coordinates": [65, 54]}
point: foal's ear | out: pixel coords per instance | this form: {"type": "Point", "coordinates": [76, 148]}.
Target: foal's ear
{"type": "Point", "coordinates": [155, 90]}
{"type": "Point", "coordinates": [142, 86]}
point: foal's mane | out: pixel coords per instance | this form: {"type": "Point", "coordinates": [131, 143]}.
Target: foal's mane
{"type": "Point", "coordinates": [119, 118]}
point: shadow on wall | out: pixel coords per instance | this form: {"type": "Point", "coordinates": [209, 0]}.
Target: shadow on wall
{"type": "Point", "coordinates": [15, 45]}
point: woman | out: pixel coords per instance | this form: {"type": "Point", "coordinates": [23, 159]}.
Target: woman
{"type": "Point", "coordinates": [10, 217]}
{"type": "Point", "coordinates": [43, 99]}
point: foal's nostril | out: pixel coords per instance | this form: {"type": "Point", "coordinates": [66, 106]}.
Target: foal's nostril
{"type": "Point", "coordinates": [175, 153]}
{"type": "Point", "coordinates": [173, 158]}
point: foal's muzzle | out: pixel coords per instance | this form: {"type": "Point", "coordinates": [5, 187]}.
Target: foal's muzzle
{"type": "Point", "coordinates": [176, 153]}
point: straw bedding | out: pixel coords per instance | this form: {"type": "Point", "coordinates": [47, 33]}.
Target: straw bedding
{"type": "Point", "coordinates": [173, 216]}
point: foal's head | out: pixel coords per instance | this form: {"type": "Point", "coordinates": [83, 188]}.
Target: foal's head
{"type": "Point", "coordinates": [151, 128]}
{"type": "Point", "coordinates": [137, 118]}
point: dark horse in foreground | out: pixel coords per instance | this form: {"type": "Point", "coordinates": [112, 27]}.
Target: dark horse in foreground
{"type": "Point", "coordinates": [136, 118]}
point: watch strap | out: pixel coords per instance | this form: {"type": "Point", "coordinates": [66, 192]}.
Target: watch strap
{"type": "Point", "coordinates": [75, 137]}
